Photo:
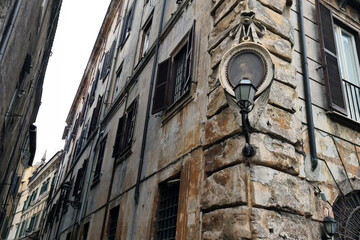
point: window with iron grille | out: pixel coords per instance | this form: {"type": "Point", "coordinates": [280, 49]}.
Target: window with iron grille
{"type": "Point", "coordinates": [125, 131]}
{"type": "Point", "coordinates": [167, 210]}
{"type": "Point", "coordinates": [340, 58]}
{"type": "Point", "coordinates": [113, 218]}
{"type": "Point", "coordinates": [174, 75]}
{"type": "Point", "coordinates": [347, 214]}
{"type": "Point", "coordinates": [100, 160]}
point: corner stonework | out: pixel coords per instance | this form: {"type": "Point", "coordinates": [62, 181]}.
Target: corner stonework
{"type": "Point", "coordinates": [243, 198]}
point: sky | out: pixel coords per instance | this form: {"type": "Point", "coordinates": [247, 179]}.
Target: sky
{"type": "Point", "coordinates": [78, 27]}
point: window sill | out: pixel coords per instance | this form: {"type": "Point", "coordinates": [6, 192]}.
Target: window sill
{"type": "Point", "coordinates": [174, 108]}
{"type": "Point", "coordinates": [344, 120]}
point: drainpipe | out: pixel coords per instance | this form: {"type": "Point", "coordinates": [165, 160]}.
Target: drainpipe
{"type": "Point", "coordinates": [5, 41]}
{"type": "Point", "coordinates": [309, 113]}
{"type": "Point", "coordinates": [137, 187]}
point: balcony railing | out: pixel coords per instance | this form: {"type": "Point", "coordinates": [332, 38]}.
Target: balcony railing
{"type": "Point", "coordinates": [352, 98]}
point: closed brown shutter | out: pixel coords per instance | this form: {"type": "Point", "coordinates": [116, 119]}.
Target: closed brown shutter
{"type": "Point", "coordinates": [118, 139]}
{"type": "Point", "coordinates": [160, 100]}
{"type": "Point", "coordinates": [189, 58]}
{"type": "Point", "coordinates": [332, 78]}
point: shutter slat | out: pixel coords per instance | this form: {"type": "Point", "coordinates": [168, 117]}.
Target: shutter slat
{"type": "Point", "coordinates": [331, 70]}
{"type": "Point", "coordinates": [160, 97]}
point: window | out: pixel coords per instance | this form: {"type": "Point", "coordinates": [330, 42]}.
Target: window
{"type": "Point", "coordinates": [174, 75]}
{"type": "Point", "coordinates": [347, 214]}
{"type": "Point", "coordinates": [100, 160]}
{"type": "Point", "coordinates": [167, 210]}
{"type": "Point", "coordinates": [349, 70]}
{"type": "Point", "coordinates": [95, 116]}
{"type": "Point", "coordinates": [125, 131]}
{"type": "Point", "coordinates": [68, 236]}
{"type": "Point", "coordinates": [145, 38]}
{"type": "Point", "coordinates": [108, 61]}
{"type": "Point", "coordinates": [93, 88]}
{"type": "Point", "coordinates": [86, 230]}
{"type": "Point", "coordinates": [113, 218]}
{"type": "Point", "coordinates": [80, 178]}
{"type": "Point", "coordinates": [44, 186]}
{"type": "Point", "coordinates": [117, 83]}
{"type": "Point", "coordinates": [126, 26]}
{"type": "Point", "coordinates": [340, 58]}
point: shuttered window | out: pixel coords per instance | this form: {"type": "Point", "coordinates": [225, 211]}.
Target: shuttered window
{"type": "Point", "coordinates": [174, 75]}
{"type": "Point", "coordinates": [126, 26]}
{"type": "Point", "coordinates": [79, 182]}
{"type": "Point", "coordinates": [95, 116]}
{"type": "Point", "coordinates": [93, 88]}
{"type": "Point", "coordinates": [343, 96]}
{"type": "Point", "coordinates": [125, 131]}
{"type": "Point", "coordinates": [100, 160]}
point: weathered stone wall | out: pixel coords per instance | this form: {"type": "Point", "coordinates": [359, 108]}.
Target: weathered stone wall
{"type": "Point", "coordinates": [267, 196]}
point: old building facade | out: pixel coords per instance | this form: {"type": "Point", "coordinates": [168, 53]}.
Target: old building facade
{"type": "Point", "coordinates": [33, 204]}
{"type": "Point", "coordinates": [27, 30]}
{"type": "Point", "coordinates": [154, 137]}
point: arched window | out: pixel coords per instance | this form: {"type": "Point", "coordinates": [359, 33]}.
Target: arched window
{"type": "Point", "coordinates": [347, 215]}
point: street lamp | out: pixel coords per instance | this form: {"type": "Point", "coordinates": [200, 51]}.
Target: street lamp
{"type": "Point", "coordinates": [244, 94]}
{"type": "Point", "coordinates": [330, 226]}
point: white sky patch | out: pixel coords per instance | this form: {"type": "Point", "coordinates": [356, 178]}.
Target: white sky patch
{"type": "Point", "coordinates": [78, 27]}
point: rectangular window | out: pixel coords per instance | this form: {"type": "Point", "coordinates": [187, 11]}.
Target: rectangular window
{"type": "Point", "coordinates": [113, 218]}
{"type": "Point", "coordinates": [340, 58]}
{"type": "Point", "coordinates": [167, 210]}
{"type": "Point", "coordinates": [174, 75]}
{"type": "Point", "coordinates": [126, 26]}
{"type": "Point", "coordinates": [86, 230]}
{"type": "Point", "coordinates": [100, 160]}
{"type": "Point", "coordinates": [145, 38]}
{"type": "Point", "coordinates": [125, 131]}
{"type": "Point", "coordinates": [80, 177]}
{"type": "Point", "coordinates": [95, 116]}
{"type": "Point", "coordinates": [117, 83]}
{"type": "Point", "coordinates": [349, 70]}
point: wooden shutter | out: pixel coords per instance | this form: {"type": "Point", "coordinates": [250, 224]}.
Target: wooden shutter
{"type": "Point", "coordinates": [93, 88]}
{"type": "Point", "coordinates": [160, 101]}
{"type": "Point", "coordinates": [95, 116]}
{"type": "Point", "coordinates": [131, 16]}
{"type": "Point", "coordinates": [189, 58]}
{"type": "Point", "coordinates": [131, 117]}
{"type": "Point", "coordinates": [118, 139]}
{"type": "Point", "coordinates": [124, 29]}
{"type": "Point", "coordinates": [332, 77]}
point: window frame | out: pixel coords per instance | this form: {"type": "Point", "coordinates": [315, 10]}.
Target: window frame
{"type": "Point", "coordinates": [163, 187]}
{"type": "Point", "coordinates": [334, 83]}
{"type": "Point", "coordinates": [164, 91]}
{"type": "Point", "coordinates": [125, 132]}
{"type": "Point", "coordinates": [146, 31]}
{"type": "Point", "coordinates": [100, 159]}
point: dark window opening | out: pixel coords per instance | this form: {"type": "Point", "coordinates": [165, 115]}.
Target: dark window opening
{"type": "Point", "coordinates": [125, 131]}
{"type": "Point", "coordinates": [85, 231]}
{"type": "Point", "coordinates": [113, 218]}
{"type": "Point", "coordinates": [100, 160]}
{"type": "Point", "coordinates": [167, 210]}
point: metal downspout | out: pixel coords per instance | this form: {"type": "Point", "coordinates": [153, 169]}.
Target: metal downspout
{"type": "Point", "coordinates": [5, 41]}
{"type": "Point", "coordinates": [304, 64]}
{"type": "Point", "coordinates": [143, 145]}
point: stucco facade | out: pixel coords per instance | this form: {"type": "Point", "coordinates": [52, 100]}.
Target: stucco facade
{"type": "Point", "coordinates": [31, 209]}
{"type": "Point", "coordinates": [27, 30]}
{"type": "Point", "coordinates": [154, 123]}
